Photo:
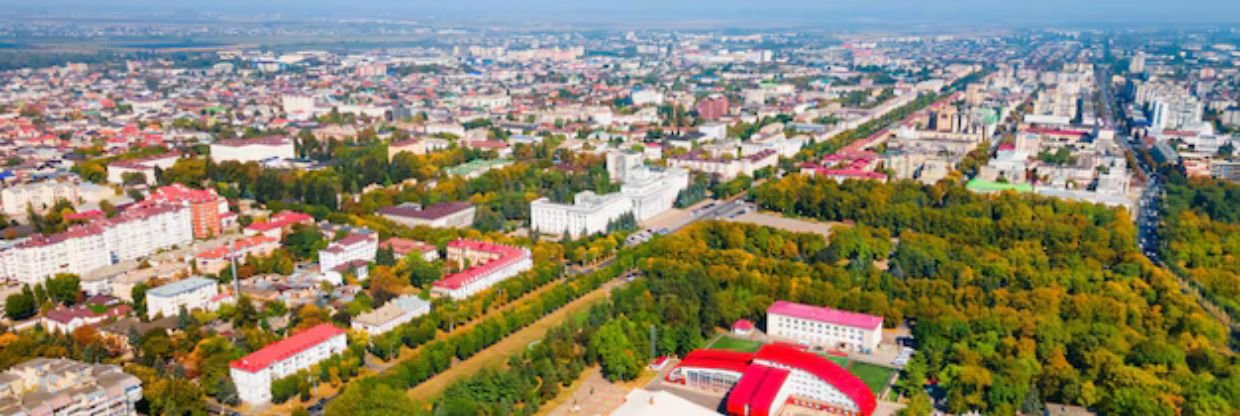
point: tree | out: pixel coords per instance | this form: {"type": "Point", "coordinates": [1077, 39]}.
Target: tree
{"type": "Point", "coordinates": [133, 178]}
{"type": "Point", "coordinates": [420, 271]}
{"type": "Point", "coordinates": [615, 351]}
{"type": "Point", "coordinates": [138, 293]}
{"type": "Point", "coordinates": [371, 399]}
{"type": "Point", "coordinates": [64, 288]}
{"type": "Point", "coordinates": [304, 242]}
{"type": "Point", "coordinates": [20, 306]}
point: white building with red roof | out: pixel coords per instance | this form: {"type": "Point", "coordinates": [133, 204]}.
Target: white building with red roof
{"type": "Point", "coordinates": [825, 327]}
{"type": "Point", "coordinates": [485, 264]}
{"type": "Point", "coordinates": [761, 383]}
{"type": "Point", "coordinates": [254, 373]}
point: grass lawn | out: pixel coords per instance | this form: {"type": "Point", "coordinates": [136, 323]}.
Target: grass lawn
{"type": "Point", "coordinates": [735, 344]}
{"type": "Point", "coordinates": [874, 376]}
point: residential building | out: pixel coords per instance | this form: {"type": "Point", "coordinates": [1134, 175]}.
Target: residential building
{"type": "Point", "coordinates": [192, 293]}
{"type": "Point", "coordinates": [483, 264]}
{"type": "Point", "coordinates": [134, 233]}
{"type": "Point", "coordinates": [58, 386]}
{"type": "Point", "coordinates": [351, 248]}
{"type": "Point", "coordinates": [207, 209]}
{"type": "Point", "coordinates": [411, 146]}
{"type": "Point", "coordinates": [713, 107]}
{"type": "Point", "coordinates": [146, 167]}
{"type": "Point", "coordinates": [391, 315]}
{"type": "Point", "coordinates": [441, 215]}
{"type": "Point", "coordinates": [824, 327]}
{"type": "Point", "coordinates": [763, 382]}
{"type": "Point", "coordinates": [261, 150]}
{"type": "Point", "coordinates": [254, 373]}
{"type": "Point", "coordinates": [727, 168]}
{"type": "Point", "coordinates": [39, 196]}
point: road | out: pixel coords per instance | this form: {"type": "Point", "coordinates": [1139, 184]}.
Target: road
{"type": "Point", "coordinates": [1148, 205]}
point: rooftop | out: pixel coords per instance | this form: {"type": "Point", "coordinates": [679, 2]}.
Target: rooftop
{"type": "Point", "coordinates": [286, 348]}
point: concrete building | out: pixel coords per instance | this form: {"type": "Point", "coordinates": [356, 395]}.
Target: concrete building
{"type": "Point", "coordinates": [57, 386]}
{"type": "Point", "coordinates": [442, 215]}
{"type": "Point", "coordinates": [403, 247]}
{"type": "Point", "coordinates": [352, 248]}
{"type": "Point", "coordinates": [713, 107]}
{"type": "Point", "coordinates": [391, 315]}
{"type": "Point", "coordinates": [620, 163]}
{"type": "Point", "coordinates": [588, 214]}
{"type": "Point", "coordinates": [278, 224]}
{"type": "Point", "coordinates": [134, 233]}
{"type": "Point", "coordinates": [483, 264]}
{"type": "Point", "coordinates": [825, 327]}
{"type": "Point", "coordinates": [727, 168]}
{"type": "Point", "coordinates": [261, 150]}
{"type": "Point", "coordinates": [39, 196]}
{"type": "Point", "coordinates": [192, 293]}
{"type": "Point", "coordinates": [254, 373]}
{"type": "Point", "coordinates": [117, 170]}
{"type": "Point", "coordinates": [207, 209]}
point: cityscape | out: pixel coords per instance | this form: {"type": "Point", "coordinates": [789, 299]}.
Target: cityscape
{"type": "Point", "coordinates": [556, 209]}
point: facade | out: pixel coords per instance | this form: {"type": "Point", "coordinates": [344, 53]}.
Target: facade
{"type": "Point", "coordinates": [825, 327]}
{"type": "Point", "coordinates": [57, 386]}
{"type": "Point", "coordinates": [411, 146]}
{"type": "Point", "coordinates": [761, 383]}
{"type": "Point", "coordinates": [391, 315]}
{"type": "Point", "coordinates": [651, 192]}
{"type": "Point", "coordinates": [261, 150]}
{"type": "Point", "coordinates": [442, 215]}
{"type": "Point", "coordinates": [588, 214]}
{"type": "Point", "coordinates": [488, 263]}
{"type": "Point", "coordinates": [37, 195]}
{"type": "Point", "coordinates": [206, 207]}
{"type": "Point", "coordinates": [192, 293]}
{"type": "Point", "coordinates": [134, 233]}
{"type": "Point", "coordinates": [254, 373]}
{"type": "Point", "coordinates": [713, 107]}
{"type": "Point", "coordinates": [352, 248]}
{"type": "Point", "coordinates": [620, 163]}
{"type": "Point", "coordinates": [726, 168]}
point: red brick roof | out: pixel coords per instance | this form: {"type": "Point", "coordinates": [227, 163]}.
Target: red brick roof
{"type": "Point", "coordinates": [286, 348]}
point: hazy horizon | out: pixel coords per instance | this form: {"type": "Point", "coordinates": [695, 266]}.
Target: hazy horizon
{"type": "Point", "coordinates": [831, 13]}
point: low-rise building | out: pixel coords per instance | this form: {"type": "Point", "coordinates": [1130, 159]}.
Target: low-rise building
{"type": "Point", "coordinates": [824, 327]}
{"type": "Point", "coordinates": [484, 264]}
{"type": "Point", "coordinates": [351, 248]}
{"type": "Point", "coordinates": [278, 224]}
{"type": "Point", "coordinates": [254, 373]}
{"type": "Point", "coordinates": [57, 386]}
{"type": "Point", "coordinates": [261, 150]}
{"type": "Point", "coordinates": [442, 215]}
{"type": "Point", "coordinates": [391, 315]}
{"type": "Point", "coordinates": [217, 259]}
{"type": "Point", "coordinates": [403, 247]}
{"type": "Point", "coordinates": [192, 293]}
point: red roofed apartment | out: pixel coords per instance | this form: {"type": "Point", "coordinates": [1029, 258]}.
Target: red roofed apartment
{"type": "Point", "coordinates": [206, 207]}
{"type": "Point", "coordinates": [488, 263]}
{"type": "Point", "coordinates": [254, 373]}
{"type": "Point", "coordinates": [825, 327]}
{"type": "Point", "coordinates": [279, 224]}
{"type": "Point", "coordinates": [762, 383]}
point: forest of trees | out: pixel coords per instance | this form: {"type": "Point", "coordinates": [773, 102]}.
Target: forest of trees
{"type": "Point", "coordinates": [1010, 295]}
{"type": "Point", "coordinates": [1201, 236]}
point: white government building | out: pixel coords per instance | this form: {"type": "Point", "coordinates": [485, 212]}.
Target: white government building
{"type": "Point", "coordinates": [644, 192]}
{"type": "Point", "coordinates": [261, 149]}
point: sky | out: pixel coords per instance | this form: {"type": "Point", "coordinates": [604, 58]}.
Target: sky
{"type": "Point", "coordinates": [826, 13]}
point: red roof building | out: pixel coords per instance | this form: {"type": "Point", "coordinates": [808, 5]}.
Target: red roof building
{"type": "Point", "coordinates": [759, 384]}
{"type": "Point", "coordinates": [254, 373]}
{"type": "Point", "coordinates": [485, 265]}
